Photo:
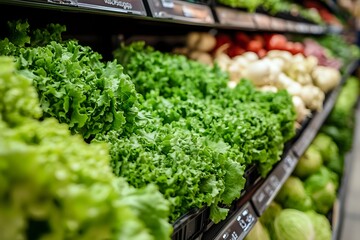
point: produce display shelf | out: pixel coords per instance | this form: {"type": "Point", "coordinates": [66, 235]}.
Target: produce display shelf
{"type": "Point", "coordinates": [260, 192]}
{"type": "Point", "coordinates": [178, 12]}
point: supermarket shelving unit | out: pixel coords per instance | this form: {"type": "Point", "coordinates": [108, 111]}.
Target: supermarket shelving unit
{"type": "Point", "coordinates": [174, 16]}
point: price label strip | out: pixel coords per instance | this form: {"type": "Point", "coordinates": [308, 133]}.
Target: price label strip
{"type": "Point", "coordinates": [263, 22]}
{"type": "Point", "coordinates": [181, 10]}
{"type": "Point", "coordinates": [278, 24]}
{"type": "Point", "coordinates": [64, 2]}
{"type": "Point", "coordinates": [235, 18]}
{"type": "Point", "coordinates": [290, 26]}
{"type": "Point", "coordinates": [124, 6]}
{"type": "Point", "coordinates": [315, 29]}
{"type": "Point", "coordinates": [302, 28]}
{"type": "Point", "coordinates": [273, 183]}
{"type": "Point", "coordinates": [239, 225]}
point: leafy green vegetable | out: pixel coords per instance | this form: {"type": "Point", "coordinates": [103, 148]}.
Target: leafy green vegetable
{"type": "Point", "coordinates": [340, 123]}
{"type": "Point", "coordinates": [182, 99]}
{"type": "Point", "coordinates": [342, 112]}
{"type": "Point", "coordinates": [256, 123]}
{"type": "Point", "coordinates": [76, 88]}
{"type": "Point", "coordinates": [274, 7]}
{"type": "Point", "coordinates": [189, 169]}
{"type": "Point", "coordinates": [292, 224]}
{"type": "Point", "coordinates": [186, 131]}
{"type": "Point", "coordinates": [249, 5]}
{"type": "Point", "coordinates": [169, 75]}
{"type": "Point", "coordinates": [340, 48]}
{"type": "Point", "coordinates": [53, 185]}
{"type": "Point", "coordinates": [293, 195]}
{"type": "Point", "coordinates": [326, 146]}
{"type": "Point", "coordinates": [321, 226]}
{"type": "Point", "coordinates": [309, 163]}
{"type": "Point", "coordinates": [329, 152]}
{"type": "Point", "coordinates": [19, 100]}
{"type": "Point", "coordinates": [322, 188]}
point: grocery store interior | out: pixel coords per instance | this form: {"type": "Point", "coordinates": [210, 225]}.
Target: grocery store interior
{"type": "Point", "coordinates": [179, 119]}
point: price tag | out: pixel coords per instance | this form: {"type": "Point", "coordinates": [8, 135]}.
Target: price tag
{"type": "Point", "coordinates": [239, 225]}
{"type": "Point", "coordinates": [290, 26]}
{"type": "Point", "coordinates": [278, 24]}
{"type": "Point", "coordinates": [273, 183]}
{"type": "Point", "coordinates": [289, 163]}
{"type": "Point", "coordinates": [302, 28]}
{"type": "Point", "coordinates": [181, 10]}
{"type": "Point", "coordinates": [235, 18]}
{"type": "Point", "coordinates": [124, 6]}
{"type": "Point", "coordinates": [262, 21]}
{"type": "Point", "coordinates": [65, 2]}
{"type": "Point", "coordinates": [316, 29]}
{"type": "Point", "coordinates": [167, 3]}
{"type": "Point", "coordinates": [335, 29]}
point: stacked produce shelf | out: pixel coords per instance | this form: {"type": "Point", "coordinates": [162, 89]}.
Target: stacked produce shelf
{"type": "Point", "coordinates": [181, 12]}
{"type": "Point", "coordinates": [259, 192]}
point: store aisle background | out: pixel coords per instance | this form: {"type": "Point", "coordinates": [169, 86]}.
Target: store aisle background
{"type": "Point", "coordinates": [351, 222]}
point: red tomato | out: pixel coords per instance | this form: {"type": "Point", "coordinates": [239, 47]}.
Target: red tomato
{"type": "Point", "coordinates": [260, 38]}
{"type": "Point", "coordinates": [222, 39]}
{"type": "Point", "coordinates": [242, 39]}
{"type": "Point", "coordinates": [261, 53]}
{"type": "Point", "coordinates": [289, 46]}
{"type": "Point", "coordinates": [298, 48]}
{"type": "Point", "coordinates": [235, 51]}
{"type": "Point", "coordinates": [277, 42]}
{"type": "Point", "coordinates": [254, 46]}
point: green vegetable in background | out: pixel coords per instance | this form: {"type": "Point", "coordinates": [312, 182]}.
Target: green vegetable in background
{"type": "Point", "coordinates": [258, 232]}
{"type": "Point", "coordinates": [341, 115]}
{"type": "Point", "coordinates": [327, 147]}
{"type": "Point", "coordinates": [322, 188]}
{"type": "Point", "coordinates": [268, 217]}
{"type": "Point", "coordinates": [329, 152]}
{"type": "Point", "coordinates": [274, 7]}
{"type": "Point", "coordinates": [340, 48]}
{"type": "Point", "coordinates": [340, 123]}
{"type": "Point", "coordinates": [53, 185]}
{"type": "Point", "coordinates": [249, 5]}
{"type": "Point", "coordinates": [293, 195]}
{"type": "Point", "coordinates": [321, 226]}
{"type": "Point", "coordinates": [292, 224]}
{"type": "Point", "coordinates": [309, 163]}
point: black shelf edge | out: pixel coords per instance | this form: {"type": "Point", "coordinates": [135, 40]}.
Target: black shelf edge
{"type": "Point", "coordinates": [237, 226]}
{"type": "Point", "coordinates": [261, 22]}
{"type": "Point", "coordinates": [266, 193]}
